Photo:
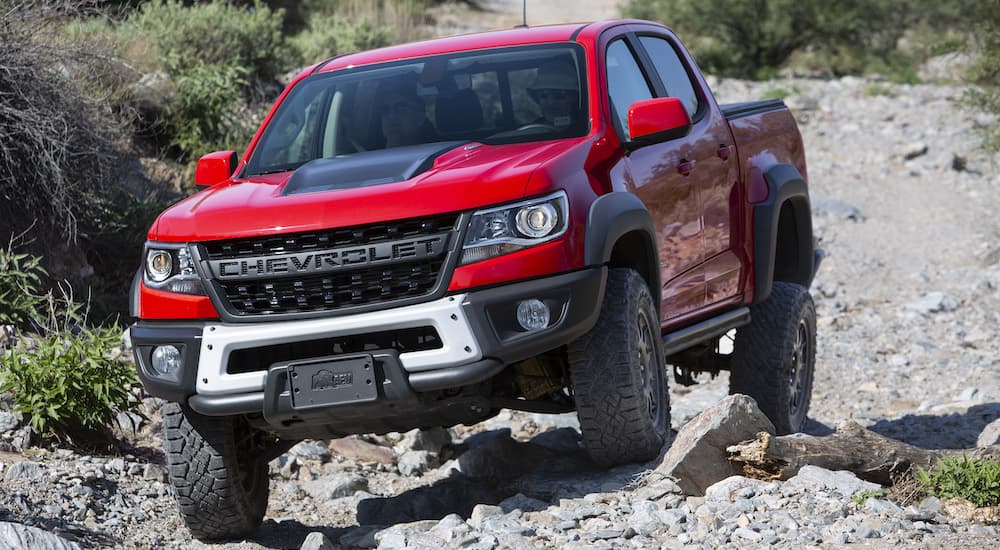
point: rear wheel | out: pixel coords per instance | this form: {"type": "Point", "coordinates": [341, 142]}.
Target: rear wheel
{"type": "Point", "coordinates": [775, 356]}
{"type": "Point", "coordinates": [217, 470]}
{"type": "Point", "coordinates": [619, 378]}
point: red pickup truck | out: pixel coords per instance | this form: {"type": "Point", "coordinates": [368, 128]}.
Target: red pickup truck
{"type": "Point", "coordinates": [539, 219]}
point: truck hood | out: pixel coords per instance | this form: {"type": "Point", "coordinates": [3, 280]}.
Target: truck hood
{"type": "Point", "coordinates": [461, 177]}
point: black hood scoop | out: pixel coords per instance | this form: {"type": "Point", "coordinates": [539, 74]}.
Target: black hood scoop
{"type": "Point", "coordinates": [366, 168]}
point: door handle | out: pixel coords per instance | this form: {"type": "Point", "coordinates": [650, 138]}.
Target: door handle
{"type": "Point", "coordinates": [724, 151]}
{"type": "Point", "coordinates": [685, 167]}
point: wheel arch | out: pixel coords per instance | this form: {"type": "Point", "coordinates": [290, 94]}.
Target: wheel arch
{"type": "Point", "coordinates": [782, 232]}
{"type": "Point", "coordinates": [620, 233]}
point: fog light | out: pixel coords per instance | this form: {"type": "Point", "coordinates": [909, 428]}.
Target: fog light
{"type": "Point", "coordinates": [166, 360]}
{"type": "Point", "coordinates": [533, 314]}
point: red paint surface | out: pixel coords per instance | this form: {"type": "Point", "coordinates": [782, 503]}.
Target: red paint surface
{"type": "Point", "coordinates": [702, 219]}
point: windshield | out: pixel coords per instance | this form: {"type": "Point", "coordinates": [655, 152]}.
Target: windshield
{"type": "Point", "coordinates": [506, 95]}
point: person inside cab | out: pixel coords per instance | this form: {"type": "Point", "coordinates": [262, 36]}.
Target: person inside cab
{"type": "Point", "coordinates": [556, 91]}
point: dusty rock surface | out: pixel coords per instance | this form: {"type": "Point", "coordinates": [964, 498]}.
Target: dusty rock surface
{"type": "Point", "coordinates": [907, 300]}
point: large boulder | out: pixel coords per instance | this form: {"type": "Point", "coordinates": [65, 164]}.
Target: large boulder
{"type": "Point", "coordinates": [15, 535]}
{"type": "Point", "coordinates": [990, 435]}
{"type": "Point", "coordinates": [697, 458]}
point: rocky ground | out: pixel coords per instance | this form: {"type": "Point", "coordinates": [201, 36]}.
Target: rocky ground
{"type": "Point", "coordinates": [907, 300]}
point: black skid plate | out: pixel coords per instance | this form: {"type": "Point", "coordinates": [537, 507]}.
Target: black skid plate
{"type": "Point", "coordinates": [332, 381]}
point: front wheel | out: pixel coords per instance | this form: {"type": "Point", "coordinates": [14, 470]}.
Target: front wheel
{"type": "Point", "coordinates": [217, 472]}
{"type": "Point", "coordinates": [775, 356]}
{"type": "Point", "coordinates": [619, 378]}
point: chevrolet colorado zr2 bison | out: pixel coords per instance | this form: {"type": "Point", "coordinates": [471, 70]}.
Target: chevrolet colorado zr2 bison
{"type": "Point", "coordinates": [539, 219]}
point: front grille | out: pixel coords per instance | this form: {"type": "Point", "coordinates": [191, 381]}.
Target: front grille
{"type": "Point", "coordinates": [331, 238]}
{"type": "Point", "coordinates": [260, 292]}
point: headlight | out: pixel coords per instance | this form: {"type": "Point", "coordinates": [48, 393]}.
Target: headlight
{"type": "Point", "coordinates": [504, 229]}
{"type": "Point", "coordinates": [170, 267]}
{"type": "Point", "coordinates": [159, 265]}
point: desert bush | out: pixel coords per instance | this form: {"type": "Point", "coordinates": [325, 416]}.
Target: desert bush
{"type": "Point", "coordinates": [975, 480]}
{"type": "Point", "coordinates": [20, 279]}
{"type": "Point", "coordinates": [62, 145]}
{"type": "Point", "coordinates": [70, 384]}
{"type": "Point", "coordinates": [327, 35]}
{"type": "Point", "coordinates": [754, 39]}
{"type": "Point", "coordinates": [187, 38]}
{"type": "Point", "coordinates": [984, 72]}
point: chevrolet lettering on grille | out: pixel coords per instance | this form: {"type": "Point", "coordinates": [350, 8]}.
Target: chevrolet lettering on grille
{"type": "Point", "coordinates": [323, 261]}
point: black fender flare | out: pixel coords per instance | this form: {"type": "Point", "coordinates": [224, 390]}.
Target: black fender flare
{"type": "Point", "coordinates": [133, 294]}
{"type": "Point", "coordinates": [612, 216]}
{"type": "Point", "coordinates": [785, 186]}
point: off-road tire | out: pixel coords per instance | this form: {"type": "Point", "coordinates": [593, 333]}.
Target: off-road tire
{"type": "Point", "coordinates": [220, 483]}
{"type": "Point", "coordinates": [775, 356]}
{"type": "Point", "coordinates": [619, 378]}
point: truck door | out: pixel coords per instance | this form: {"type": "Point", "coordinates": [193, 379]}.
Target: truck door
{"type": "Point", "coordinates": [712, 163]}
{"type": "Point", "coordinates": [656, 178]}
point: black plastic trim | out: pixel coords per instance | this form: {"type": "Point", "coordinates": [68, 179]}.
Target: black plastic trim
{"type": "Point", "coordinates": [612, 216]}
{"type": "Point", "coordinates": [576, 33]}
{"type": "Point", "coordinates": [133, 293]}
{"type": "Point", "coordinates": [748, 108]}
{"type": "Point", "coordinates": [147, 335]}
{"type": "Point", "coordinates": [367, 168]}
{"type": "Point", "coordinates": [785, 185]}
{"type": "Point", "coordinates": [714, 327]}
{"type": "Point", "coordinates": [225, 405]}
{"type": "Point", "coordinates": [573, 298]}
{"type": "Point", "coordinates": [454, 377]}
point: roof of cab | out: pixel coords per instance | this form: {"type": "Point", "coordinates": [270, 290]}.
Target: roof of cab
{"type": "Point", "coordinates": [492, 39]}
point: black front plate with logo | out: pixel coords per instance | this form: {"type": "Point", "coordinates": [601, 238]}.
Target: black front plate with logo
{"type": "Point", "coordinates": [333, 381]}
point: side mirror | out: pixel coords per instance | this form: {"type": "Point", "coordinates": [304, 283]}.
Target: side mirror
{"type": "Point", "coordinates": [659, 119]}
{"type": "Point", "coordinates": [215, 168]}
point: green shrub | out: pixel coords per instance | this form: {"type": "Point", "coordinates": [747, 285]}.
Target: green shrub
{"type": "Point", "coordinates": [976, 480]}
{"type": "Point", "coordinates": [200, 116]}
{"type": "Point", "coordinates": [70, 385]}
{"type": "Point", "coordinates": [984, 20]}
{"type": "Point", "coordinates": [219, 33]}
{"type": "Point", "coordinates": [20, 278]}
{"type": "Point", "coordinates": [860, 498]}
{"type": "Point", "coordinates": [330, 34]}
{"type": "Point", "coordinates": [753, 39]}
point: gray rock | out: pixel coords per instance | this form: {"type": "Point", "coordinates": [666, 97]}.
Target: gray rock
{"type": "Point", "coordinates": [15, 535]}
{"type": "Point", "coordinates": [452, 529]}
{"type": "Point", "coordinates": [913, 150]}
{"type": "Point", "coordinates": [932, 302]}
{"type": "Point", "coordinates": [735, 487]}
{"type": "Point", "coordinates": [9, 421]}
{"type": "Point", "coordinates": [362, 451]}
{"type": "Point", "coordinates": [697, 458]}
{"type": "Point", "coordinates": [310, 451]}
{"type": "Point", "coordinates": [834, 208]}
{"type": "Point", "coordinates": [408, 535]}
{"type": "Point", "coordinates": [560, 440]}
{"type": "Point", "coordinates": [431, 440]}
{"type": "Point", "coordinates": [317, 541]}
{"type": "Point", "coordinates": [360, 537]}
{"type": "Point", "coordinates": [115, 465]}
{"type": "Point", "coordinates": [747, 534]}
{"type": "Point", "coordinates": [414, 463]}
{"type": "Point", "coordinates": [127, 423]}
{"type": "Point", "coordinates": [813, 478]}
{"type": "Point", "coordinates": [336, 486]}
{"type": "Point", "coordinates": [154, 472]}
{"type": "Point", "coordinates": [883, 507]}
{"type": "Point", "coordinates": [990, 435]}
{"type": "Point", "coordinates": [483, 513]}
{"type": "Point", "coordinates": [24, 470]}
{"type": "Point", "coordinates": [523, 503]}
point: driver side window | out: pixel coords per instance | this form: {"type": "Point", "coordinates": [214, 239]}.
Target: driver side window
{"type": "Point", "coordinates": [626, 83]}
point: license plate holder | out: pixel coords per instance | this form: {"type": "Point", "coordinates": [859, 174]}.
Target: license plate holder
{"type": "Point", "coordinates": [333, 381]}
